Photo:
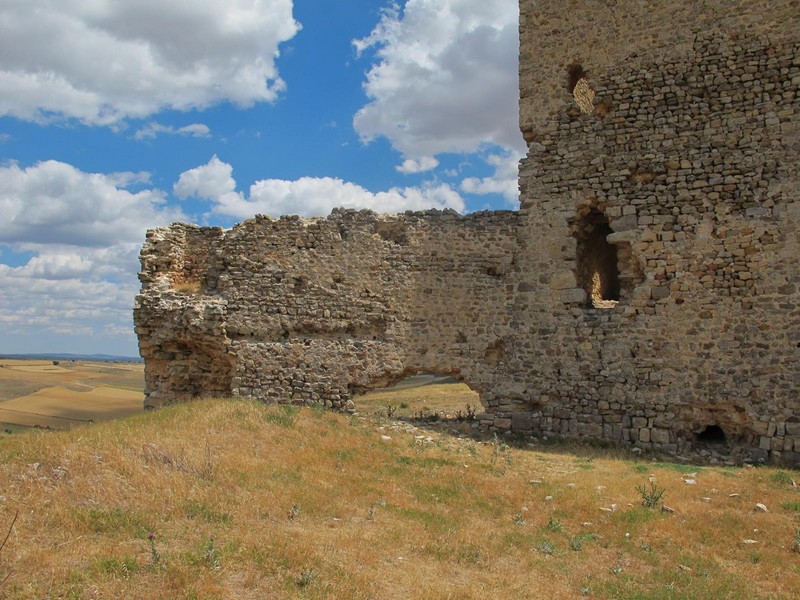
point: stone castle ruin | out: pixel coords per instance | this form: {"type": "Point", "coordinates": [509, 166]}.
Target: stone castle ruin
{"type": "Point", "coordinates": [646, 291]}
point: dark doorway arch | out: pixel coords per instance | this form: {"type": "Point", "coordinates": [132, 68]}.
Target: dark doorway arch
{"type": "Point", "coordinates": [713, 434]}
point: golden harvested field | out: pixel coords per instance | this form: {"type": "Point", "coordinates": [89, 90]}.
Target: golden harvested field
{"type": "Point", "coordinates": [235, 499]}
{"type": "Point", "coordinates": [37, 392]}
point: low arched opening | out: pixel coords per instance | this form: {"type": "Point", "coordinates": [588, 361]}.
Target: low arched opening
{"type": "Point", "coordinates": [422, 396]}
{"type": "Point", "coordinates": [712, 434]}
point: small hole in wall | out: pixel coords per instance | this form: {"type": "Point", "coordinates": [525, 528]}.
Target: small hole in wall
{"type": "Point", "coordinates": [712, 434]}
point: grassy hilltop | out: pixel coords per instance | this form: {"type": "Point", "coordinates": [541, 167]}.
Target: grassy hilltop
{"type": "Point", "coordinates": [234, 499]}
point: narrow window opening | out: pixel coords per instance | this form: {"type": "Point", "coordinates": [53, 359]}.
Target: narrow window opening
{"type": "Point", "coordinates": [597, 261]}
{"type": "Point", "coordinates": [713, 434]}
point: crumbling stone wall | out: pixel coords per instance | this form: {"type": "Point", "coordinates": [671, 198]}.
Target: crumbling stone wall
{"type": "Point", "coordinates": [313, 311]}
{"type": "Point", "coordinates": [646, 291]}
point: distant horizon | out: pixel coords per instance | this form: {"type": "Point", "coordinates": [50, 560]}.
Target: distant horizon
{"type": "Point", "coordinates": [68, 356]}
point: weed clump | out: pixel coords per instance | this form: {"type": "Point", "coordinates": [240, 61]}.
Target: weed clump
{"type": "Point", "coordinates": [651, 496]}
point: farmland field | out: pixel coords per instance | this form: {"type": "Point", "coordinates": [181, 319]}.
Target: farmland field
{"type": "Point", "coordinates": [40, 392]}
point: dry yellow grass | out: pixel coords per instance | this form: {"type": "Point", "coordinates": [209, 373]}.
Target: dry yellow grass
{"type": "Point", "coordinates": [252, 501]}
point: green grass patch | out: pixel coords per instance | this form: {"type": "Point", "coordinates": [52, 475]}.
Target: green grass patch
{"type": "Point", "coordinates": [636, 516]}
{"type": "Point", "coordinates": [121, 568]}
{"type": "Point", "coordinates": [201, 511]}
{"type": "Point", "coordinates": [431, 520]}
{"type": "Point", "coordinates": [283, 416]}
{"type": "Point", "coordinates": [677, 467]}
{"type": "Point", "coordinates": [518, 539]}
{"type": "Point", "coordinates": [791, 505]}
{"type": "Point", "coordinates": [442, 492]}
{"type": "Point", "coordinates": [781, 478]}
{"type": "Point", "coordinates": [114, 520]}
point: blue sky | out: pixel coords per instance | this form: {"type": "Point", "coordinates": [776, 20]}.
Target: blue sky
{"type": "Point", "coordinates": [117, 116]}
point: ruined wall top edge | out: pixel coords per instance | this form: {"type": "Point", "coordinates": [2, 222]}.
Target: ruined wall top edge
{"type": "Point", "coordinates": [345, 216]}
{"type": "Point", "coordinates": [601, 34]}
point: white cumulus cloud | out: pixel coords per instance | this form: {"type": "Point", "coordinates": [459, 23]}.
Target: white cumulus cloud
{"type": "Point", "coordinates": [503, 181]}
{"type": "Point", "coordinates": [210, 181]}
{"type": "Point", "coordinates": [445, 78]}
{"type": "Point", "coordinates": [54, 203]}
{"type": "Point", "coordinates": [103, 61]}
{"type": "Point", "coordinates": [426, 163]}
{"type": "Point", "coordinates": [308, 196]}
{"type": "Point", "coordinates": [152, 130]}
{"type": "Point", "coordinates": [84, 232]}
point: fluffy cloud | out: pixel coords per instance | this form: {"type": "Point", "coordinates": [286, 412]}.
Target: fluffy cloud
{"type": "Point", "coordinates": [503, 181]}
{"type": "Point", "coordinates": [426, 163]}
{"type": "Point", "coordinates": [74, 310]}
{"type": "Point", "coordinates": [84, 231]}
{"type": "Point", "coordinates": [307, 196]}
{"type": "Point", "coordinates": [209, 181]}
{"type": "Point", "coordinates": [53, 203]}
{"type": "Point", "coordinates": [445, 79]}
{"type": "Point", "coordinates": [151, 130]}
{"type": "Point", "coordinates": [101, 62]}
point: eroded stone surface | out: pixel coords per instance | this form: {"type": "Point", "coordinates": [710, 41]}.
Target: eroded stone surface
{"type": "Point", "coordinates": [646, 291]}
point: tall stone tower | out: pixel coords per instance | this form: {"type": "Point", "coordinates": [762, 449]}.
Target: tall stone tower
{"type": "Point", "coordinates": [661, 202]}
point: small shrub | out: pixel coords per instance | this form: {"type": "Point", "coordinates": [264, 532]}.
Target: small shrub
{"type": "Point", "coordinates": [155, 556]}
{"type": "Point", "coordinates": [306, 578]}
{"type": "Point", "coordinates": [211, 555]}
{"type": "Point", "coordinates": [545, 547]}
{"type": "Point", "coordinates": [554, 525]}
{"type": "Point", "coordinates": [500, 449]}
{"type": "Point", "coordinates": [651, 497]}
